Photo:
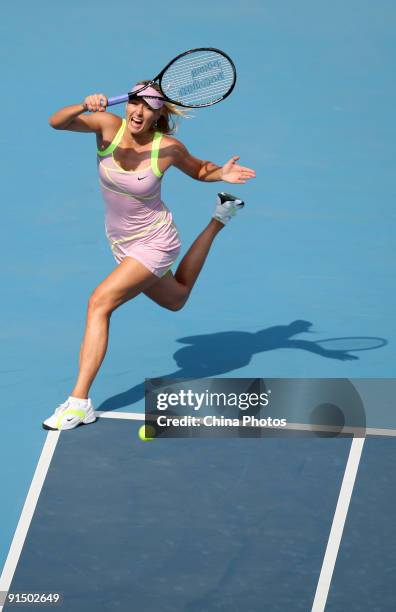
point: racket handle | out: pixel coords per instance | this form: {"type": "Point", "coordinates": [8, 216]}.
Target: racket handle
{"type": "Point", "coordinates": [117, 100]}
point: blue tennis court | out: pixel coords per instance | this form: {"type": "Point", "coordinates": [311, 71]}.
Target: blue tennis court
{"type": "Point", "coordinates": [299, 285]}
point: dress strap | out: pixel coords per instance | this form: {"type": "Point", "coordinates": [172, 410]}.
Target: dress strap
{"type": "Point", "coordinates": [116, 141]}
{"type": "Point", "coordinates": [155, 147]}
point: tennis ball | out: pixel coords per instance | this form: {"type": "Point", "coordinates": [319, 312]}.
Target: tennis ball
{"type": "Point", "coordinates": [147, 433]}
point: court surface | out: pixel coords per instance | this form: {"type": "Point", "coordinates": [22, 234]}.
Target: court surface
{"type": "Point", "coordinates": [207, 523]}
{"type": "Point", "coordinates": [310, 260]}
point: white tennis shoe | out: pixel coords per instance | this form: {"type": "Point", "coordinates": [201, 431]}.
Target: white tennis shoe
{"type": "Point", "coordinates": [71, 414]}
{"type": "Point", "coordinates": [227, 206]}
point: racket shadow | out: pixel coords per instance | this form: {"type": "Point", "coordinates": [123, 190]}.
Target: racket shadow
{"type": "Point", "coordinates": [353, 343]}
{"type": "Point", "coordinates": [211, 355]}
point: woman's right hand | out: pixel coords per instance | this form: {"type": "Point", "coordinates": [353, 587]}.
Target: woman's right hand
{"type": "Point", "coordinates": [95, 103]}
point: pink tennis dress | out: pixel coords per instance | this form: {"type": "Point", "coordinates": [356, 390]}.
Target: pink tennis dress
{"type": "Point", "coordinates": [137, 222]}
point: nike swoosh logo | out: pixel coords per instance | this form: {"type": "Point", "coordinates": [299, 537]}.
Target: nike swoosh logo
{"type": "Point", "coordinates": [140, 178]}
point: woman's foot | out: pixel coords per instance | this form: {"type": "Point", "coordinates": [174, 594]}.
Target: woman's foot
{"type": "Point", "coordinates": [70, 414]}
{"type": "Point", "coordinates": [226, 207]}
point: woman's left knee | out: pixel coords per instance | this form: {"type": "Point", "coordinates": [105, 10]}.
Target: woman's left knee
{"type": "Point", "coordinates": [179, 303]}
{"type": "Point", "coordinates": [175, 306]}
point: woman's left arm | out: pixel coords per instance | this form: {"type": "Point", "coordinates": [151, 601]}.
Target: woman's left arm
{"type": "Point", "coordinates": [207, 171]}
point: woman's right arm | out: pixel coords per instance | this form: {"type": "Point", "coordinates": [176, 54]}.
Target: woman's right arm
{"type": "Point", "coordinates": [72, 118]}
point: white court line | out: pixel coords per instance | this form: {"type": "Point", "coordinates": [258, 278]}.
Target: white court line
{"type": "Point", "coordinates": [369, 431]}
{"type": "Point", "coordinates": [333, 544]}
{"type": "Point", "coordinates": [132, 416]}
{"type": "Point", "coordinates": [28, 511]}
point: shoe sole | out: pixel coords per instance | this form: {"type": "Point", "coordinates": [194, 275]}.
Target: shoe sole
{"type": "Point", "coordinates": [48, 428]}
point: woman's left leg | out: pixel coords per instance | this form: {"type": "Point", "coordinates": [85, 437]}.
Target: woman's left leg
{"type": "Point", "coordinates": [172, 291]}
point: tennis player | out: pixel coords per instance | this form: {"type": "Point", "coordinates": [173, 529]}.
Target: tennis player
{"type": "Point", "coordinates": [133, 154]}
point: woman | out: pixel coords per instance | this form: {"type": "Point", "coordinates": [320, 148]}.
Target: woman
{"type": "Point", "coordinates": [133, 155]}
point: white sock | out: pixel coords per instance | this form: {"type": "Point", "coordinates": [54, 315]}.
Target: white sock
{"type": "Point", "coordinates": [78, 402]}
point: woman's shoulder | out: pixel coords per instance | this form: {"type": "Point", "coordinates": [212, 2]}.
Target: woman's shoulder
{"type": "Point", "coordinates": [110, 125]}
{"type": "Point", "coordinates": [169, 140]}
{"type": "Point", "coordinates": [171, 145]}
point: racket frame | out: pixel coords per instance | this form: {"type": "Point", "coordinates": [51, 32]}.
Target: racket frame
{"type": "Point", "coordinates": [126, 97]}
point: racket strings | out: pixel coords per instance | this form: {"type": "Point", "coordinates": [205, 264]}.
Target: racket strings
{"type": "Point", "coordinates": [198, 78]}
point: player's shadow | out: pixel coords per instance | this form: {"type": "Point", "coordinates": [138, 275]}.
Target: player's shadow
{"type": "Point", "coordinates": [209, 355]}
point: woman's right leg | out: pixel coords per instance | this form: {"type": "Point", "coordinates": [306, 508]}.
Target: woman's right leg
{"type": "Point", "coordinates": [125, 282]}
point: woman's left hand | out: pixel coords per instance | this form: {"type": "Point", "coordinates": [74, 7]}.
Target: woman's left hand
{"type": "Point", "coordinates": [233, 173]}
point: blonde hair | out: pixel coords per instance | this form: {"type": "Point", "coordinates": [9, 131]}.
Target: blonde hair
{"type": "Point", "coordinates": [167, 123]}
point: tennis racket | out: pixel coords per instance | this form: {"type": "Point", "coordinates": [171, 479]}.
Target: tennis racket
{"type": "Point", "coordinates": [194, 79]}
